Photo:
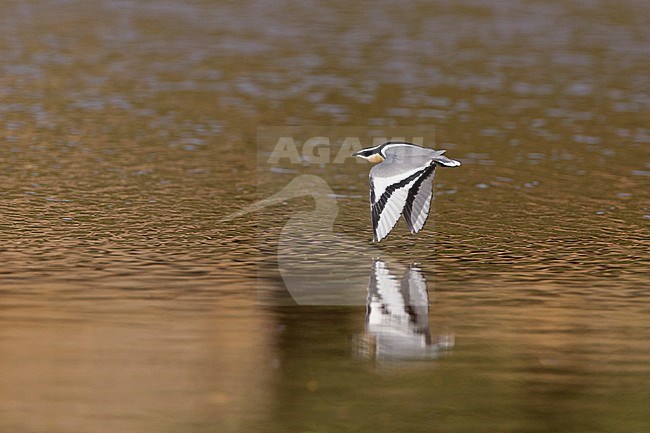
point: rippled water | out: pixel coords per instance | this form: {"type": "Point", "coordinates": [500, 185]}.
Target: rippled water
{"type": "Point", "coordinates": [130, 129]}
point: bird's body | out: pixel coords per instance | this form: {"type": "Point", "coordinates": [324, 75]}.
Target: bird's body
{"type": "Point", "coordinates": [401, 184]}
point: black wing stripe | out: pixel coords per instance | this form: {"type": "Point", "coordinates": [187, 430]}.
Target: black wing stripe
{"type": "Point", "coordinates": [378, 207]}
{"type": "Point", "coordinates": [413, 193]}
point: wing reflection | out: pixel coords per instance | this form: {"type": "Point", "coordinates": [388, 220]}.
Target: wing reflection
{"type": "Point", "coordinates": [397, 317]}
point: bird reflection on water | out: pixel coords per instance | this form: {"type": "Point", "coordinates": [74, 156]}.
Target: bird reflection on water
{"type": "Point", "coordinates": [397, 318]}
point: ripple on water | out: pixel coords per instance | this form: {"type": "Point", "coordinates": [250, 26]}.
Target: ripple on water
{"type": "Point", "coordinates": [130, 136]}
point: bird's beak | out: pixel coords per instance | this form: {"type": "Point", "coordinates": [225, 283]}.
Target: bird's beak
{"type": "Point", "coordinates": [357, 153]}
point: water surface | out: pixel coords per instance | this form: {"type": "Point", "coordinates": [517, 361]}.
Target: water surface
{"type": "Point", "coordinates": [129, 130]}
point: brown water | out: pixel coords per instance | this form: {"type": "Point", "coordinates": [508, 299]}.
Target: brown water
{"type": "Point", "coordinates": [130, 129]}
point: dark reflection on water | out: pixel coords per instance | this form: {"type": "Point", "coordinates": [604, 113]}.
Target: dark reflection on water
{"type": "Point", "coordinates": [128, 130]}
{"type": "Point", "coordinates": [397, 317]}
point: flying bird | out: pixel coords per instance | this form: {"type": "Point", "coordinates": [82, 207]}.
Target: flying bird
{"type": "Point", "coordinates": [401, 184]}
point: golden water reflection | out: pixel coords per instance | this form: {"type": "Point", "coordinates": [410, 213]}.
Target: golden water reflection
{"type": "Point", "coordinates": [128, 129]}
{"type": "Point", "coordinates": [138, 364]}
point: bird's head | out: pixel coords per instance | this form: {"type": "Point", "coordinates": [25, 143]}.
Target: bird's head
{"type": "Point", "coordinates": [370, 154]}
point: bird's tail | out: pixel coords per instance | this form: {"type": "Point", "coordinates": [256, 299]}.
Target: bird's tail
{"type": "Point", "coordinates": [442, 160]}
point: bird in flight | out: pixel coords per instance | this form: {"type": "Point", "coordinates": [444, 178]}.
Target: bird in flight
{"type": "Point", "coordinates": [401, 184]}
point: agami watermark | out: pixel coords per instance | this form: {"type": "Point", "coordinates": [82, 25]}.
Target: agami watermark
{"type": "Point", "coordinates": [325, 145]}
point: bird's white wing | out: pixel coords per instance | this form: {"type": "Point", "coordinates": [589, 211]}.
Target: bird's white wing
{"type": "Point", "coordinates": [385, 290]}
{"type": "Point", "coordinates": [390, 184]}
{"type": "Point", "coordinates": [416, 296]}
{"type": "Point", "coordinates": [418, 202]}
{"type": "Point", "coordinates": [414, 286]}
